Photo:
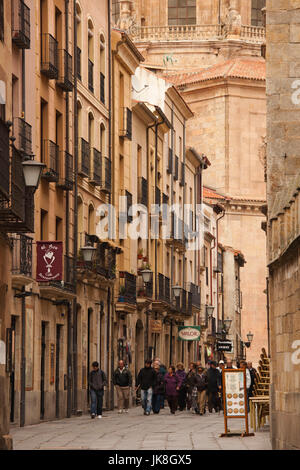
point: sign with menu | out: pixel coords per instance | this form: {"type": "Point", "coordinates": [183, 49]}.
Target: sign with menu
{"type": "Point", "coordinates": [235, 397]}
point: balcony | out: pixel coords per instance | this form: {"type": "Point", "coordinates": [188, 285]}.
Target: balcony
{"type": "Point", "coordinates": [66, 181]}
{"type": "Point", "coordinates": [157, 196]}
{"type": "Point", "coordinates": [49, 56]}
{"type": "Point", "coordinates": [176, 168]}
{"type": "Point", "coordinates": [65, 76]}
{"type": "Point", "coordinates": [106, 181]}
{"type": "Point", "coordinates": [251, 34]}
{"type": "Point", "coordinates": [4, 162]}
{"type": "Point", "coordinates": [20, 24]}
{"type": "Point", "coordinates": [142, 191]}
{"type": "Point", "coordinates": [78, 62]}
{"type": "Point", "coordinates": [23, 135]}
{"type": "Point", "coordinates": [50, 156]}
{"type": "Point", "coordinates": [170, 162]}
{"type": "Point", "coordinates": [103, 263]}
{"type": "Point", "coordinates": [91, 75]}
{"type": "Point", "coordinates": [126, 124]}
{"type": "Point", "coordinates": [84, 152]}
{"type": "Point", "coordinates": [17, 205]}
{"type": "Point", "coordinates": [126, 300]}
{"type": "Point", "coordinates": [96, 172]}
{"type": "Point", "coordinates": [196, 295]}
{"type": "Point", "coordinates": [182, 176]}
{"type": "Point", "coordinates": [164, 290]}
{"type": "Point", "coordinates": [21, 261]}
{"type": "Point", "coordinates": [61, 290]}
{"type": "Point", "coordinates": [102, 88]}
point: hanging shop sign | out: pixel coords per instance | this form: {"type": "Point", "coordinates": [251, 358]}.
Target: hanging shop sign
{"type": "Point", "coordinates": [235, 398]}
{"type": "Point", "coordinates": [156, 326]}
{"type": "Point", "coordinates": [49, 261]}
{"type": "Point", "coordinates": [189, 333]}
{"type": "Point", "coordinates": [225, 346]}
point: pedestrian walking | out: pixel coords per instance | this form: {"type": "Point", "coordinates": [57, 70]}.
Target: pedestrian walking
{"type": "Point", "coordinates": [146, 381]}
{"type": "Point", "coordinates": [159, 389]}
{"type": "Point", "coordinates": [248, 382]}
{"type": "Point", "coordinates": [202, 380]}
{"type": "Point", "coordinates": [252, 375]}
{"type": "Point", "coordinates": [191, 387]}
{"type": "Point", "coordinates": [181, 374]}
{"type": "Point", "coordinates": [172, 387]}
{"type": "Point", "coordinates": [97, 382]}
{"type": "Point", "coordinates": [163, 371]}
{"type": "Point", "coordinates": [229, 364]}
{"type": "Point", "coordinates": [122, 380]}
{"type": "Point", "coordinates": [213, 387]}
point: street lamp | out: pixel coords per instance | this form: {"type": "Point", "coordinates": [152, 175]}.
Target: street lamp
{"type": "Point", "coordinates": [210, 310]}
{"type": "Point", "coordinates": [146, 275]}
{"type": "Point", "coordinates": [227, 325]}
{"type": "Point", "coordinates": [176, 291]}
{"type": "Point", "coordinates": [32, 171]}
{"type": "Point", "coordinates": [88, 252]}
{"type": "Point", "coordinates": [250, 337]}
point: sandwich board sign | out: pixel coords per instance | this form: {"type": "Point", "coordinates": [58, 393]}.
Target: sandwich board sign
{"type": "Point", "coordinates": [235, 399]}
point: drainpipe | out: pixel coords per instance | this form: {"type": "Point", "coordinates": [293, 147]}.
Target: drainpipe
{"type": "Point", "coordinates": [75, 229]}
{"type": "Point", "coordinates": [217, 234]}
{"type": "Point", "coordinates": [23, 360]}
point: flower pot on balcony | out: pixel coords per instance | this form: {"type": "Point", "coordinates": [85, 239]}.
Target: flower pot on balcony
{"type": "Point", "coordinates": [140, 256]}
{"type": "Point", "coordinates": [145, 259]}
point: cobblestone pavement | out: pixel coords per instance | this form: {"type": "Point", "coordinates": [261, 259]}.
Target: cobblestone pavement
{"type": "Point", "coordinates": [134, 431]}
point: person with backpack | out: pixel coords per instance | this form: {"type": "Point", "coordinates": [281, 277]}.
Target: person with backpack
{"type": "Point", "coordinates": [122, 380]}
{"type": "Point", "coordinates": [201, 379]}
{"type": "Point", "coordinates": [97, 382]}
{"type": "Point", "coordinates": [146, 380]}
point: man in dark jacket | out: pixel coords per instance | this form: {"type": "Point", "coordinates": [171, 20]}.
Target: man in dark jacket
{"type": "Point", "coordinates": [213, 387]}
{"type": "Point", "coordinates": [146, 381]}
{"type": "Point", "coordinates": [97, 382]}
{"type": "Point", "coordinates": [122, 381]}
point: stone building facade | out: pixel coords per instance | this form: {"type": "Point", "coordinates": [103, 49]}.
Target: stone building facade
{"type": "Point", "coordinates": [219, 47]}
{"type": "Point", "coordinates": [283, 38]}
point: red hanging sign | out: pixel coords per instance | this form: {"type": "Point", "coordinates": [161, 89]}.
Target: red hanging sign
{"type": "Point", "coordinates": [49, 261]}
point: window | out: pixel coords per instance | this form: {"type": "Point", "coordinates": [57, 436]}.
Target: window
{"type": "Point", "coordinates": [44, 225]}
{"type": "Point", "coordinates": [182, 12]}
{"type": "Point", "coordinates": [58, 229]}
{"type": "Point", "coordinates": [102, 69]}
{"type": "Point", "coordinates": [256, 15]}
{"type": "Point", "coordinates": [115, 11]}
{"type": "Point", "coordinates": [1, 20]}
{"type": "Point", "coordinates": [79, 40]}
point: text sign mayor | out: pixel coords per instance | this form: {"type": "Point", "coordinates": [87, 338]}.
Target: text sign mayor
{"type": "Point", "coordinates": [224, 346]}
{"type": "Point", "coordinates": [189, 333]}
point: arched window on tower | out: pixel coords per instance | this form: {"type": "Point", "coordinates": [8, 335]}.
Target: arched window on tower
{"type": "Point", "coordinates": [256, 14]}
{"type": "Point", "coordinates": [181, 12]}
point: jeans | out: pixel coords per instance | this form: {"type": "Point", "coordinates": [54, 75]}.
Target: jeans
{"type": "Point", "coordinates": [96, 402]}
{"type": "Point", "coordinates": [156, 402]}
{"type": "Point", "coordinates": [146, 396]}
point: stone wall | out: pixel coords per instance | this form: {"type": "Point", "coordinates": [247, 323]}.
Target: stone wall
{"type": "Point", "coordinates": [283, 45]}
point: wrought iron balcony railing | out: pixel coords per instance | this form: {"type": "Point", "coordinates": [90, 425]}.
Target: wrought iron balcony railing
{"type": "Point", "coordinates": [50, 156]}
{"type": "Point", "coordinates": [142, 191]}
{"type": "Point", "coordinates": [23, 135]}
{"type": "Point", "coordinates": [84, 153]}
{"type": "Point", "coordinates": [196, 295]}
{"type": "Point", "coordinates": [106, 181]}
{"type": "Point", "coordinates": [104, 260]}
{"type": "Point", "coordinates": [22, 255]}
{"type": "Point", "coordinates": [20, 24]}
{"type": "Point", "coordinates": [68, 283]}
{"type": "Point", "coordinates": [164, 292]}
{"type": "Point", "coordinates": [102, 88]}
{"type": "Point", "coordinates": [176, 166]}
{"type": "Point", "coordinates": [96, 171]}
{"type": "Point", "coordinates": [49, 56]}
{"type": "Point", "coordinates": [65, 75]}
{"type": "Point", "coordinates": [170, 162]}
{"type": "Point", "coordinates": [4, 162]}
{"type": "Point", "coordinates": [126, 124]}
{"type": "Point", "coordinates": [91, 75]}
{"type": "Point", "coordinates": [78, 61]}
{"type": "Point", "coordinates": [127, 291]}
{"type": "Point", "coordinates": [66, 181]}
{"type": "Point", "coordinates": [182, 176]}
{"type": "Point", "coordinates": [16, 207]}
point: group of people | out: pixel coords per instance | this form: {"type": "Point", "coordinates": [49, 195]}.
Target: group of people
{"type": "Point", "coordinates": [196, 389]}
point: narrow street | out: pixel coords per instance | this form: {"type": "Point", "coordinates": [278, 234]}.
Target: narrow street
{"type": "Point", "coordinates": [134, 431]}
